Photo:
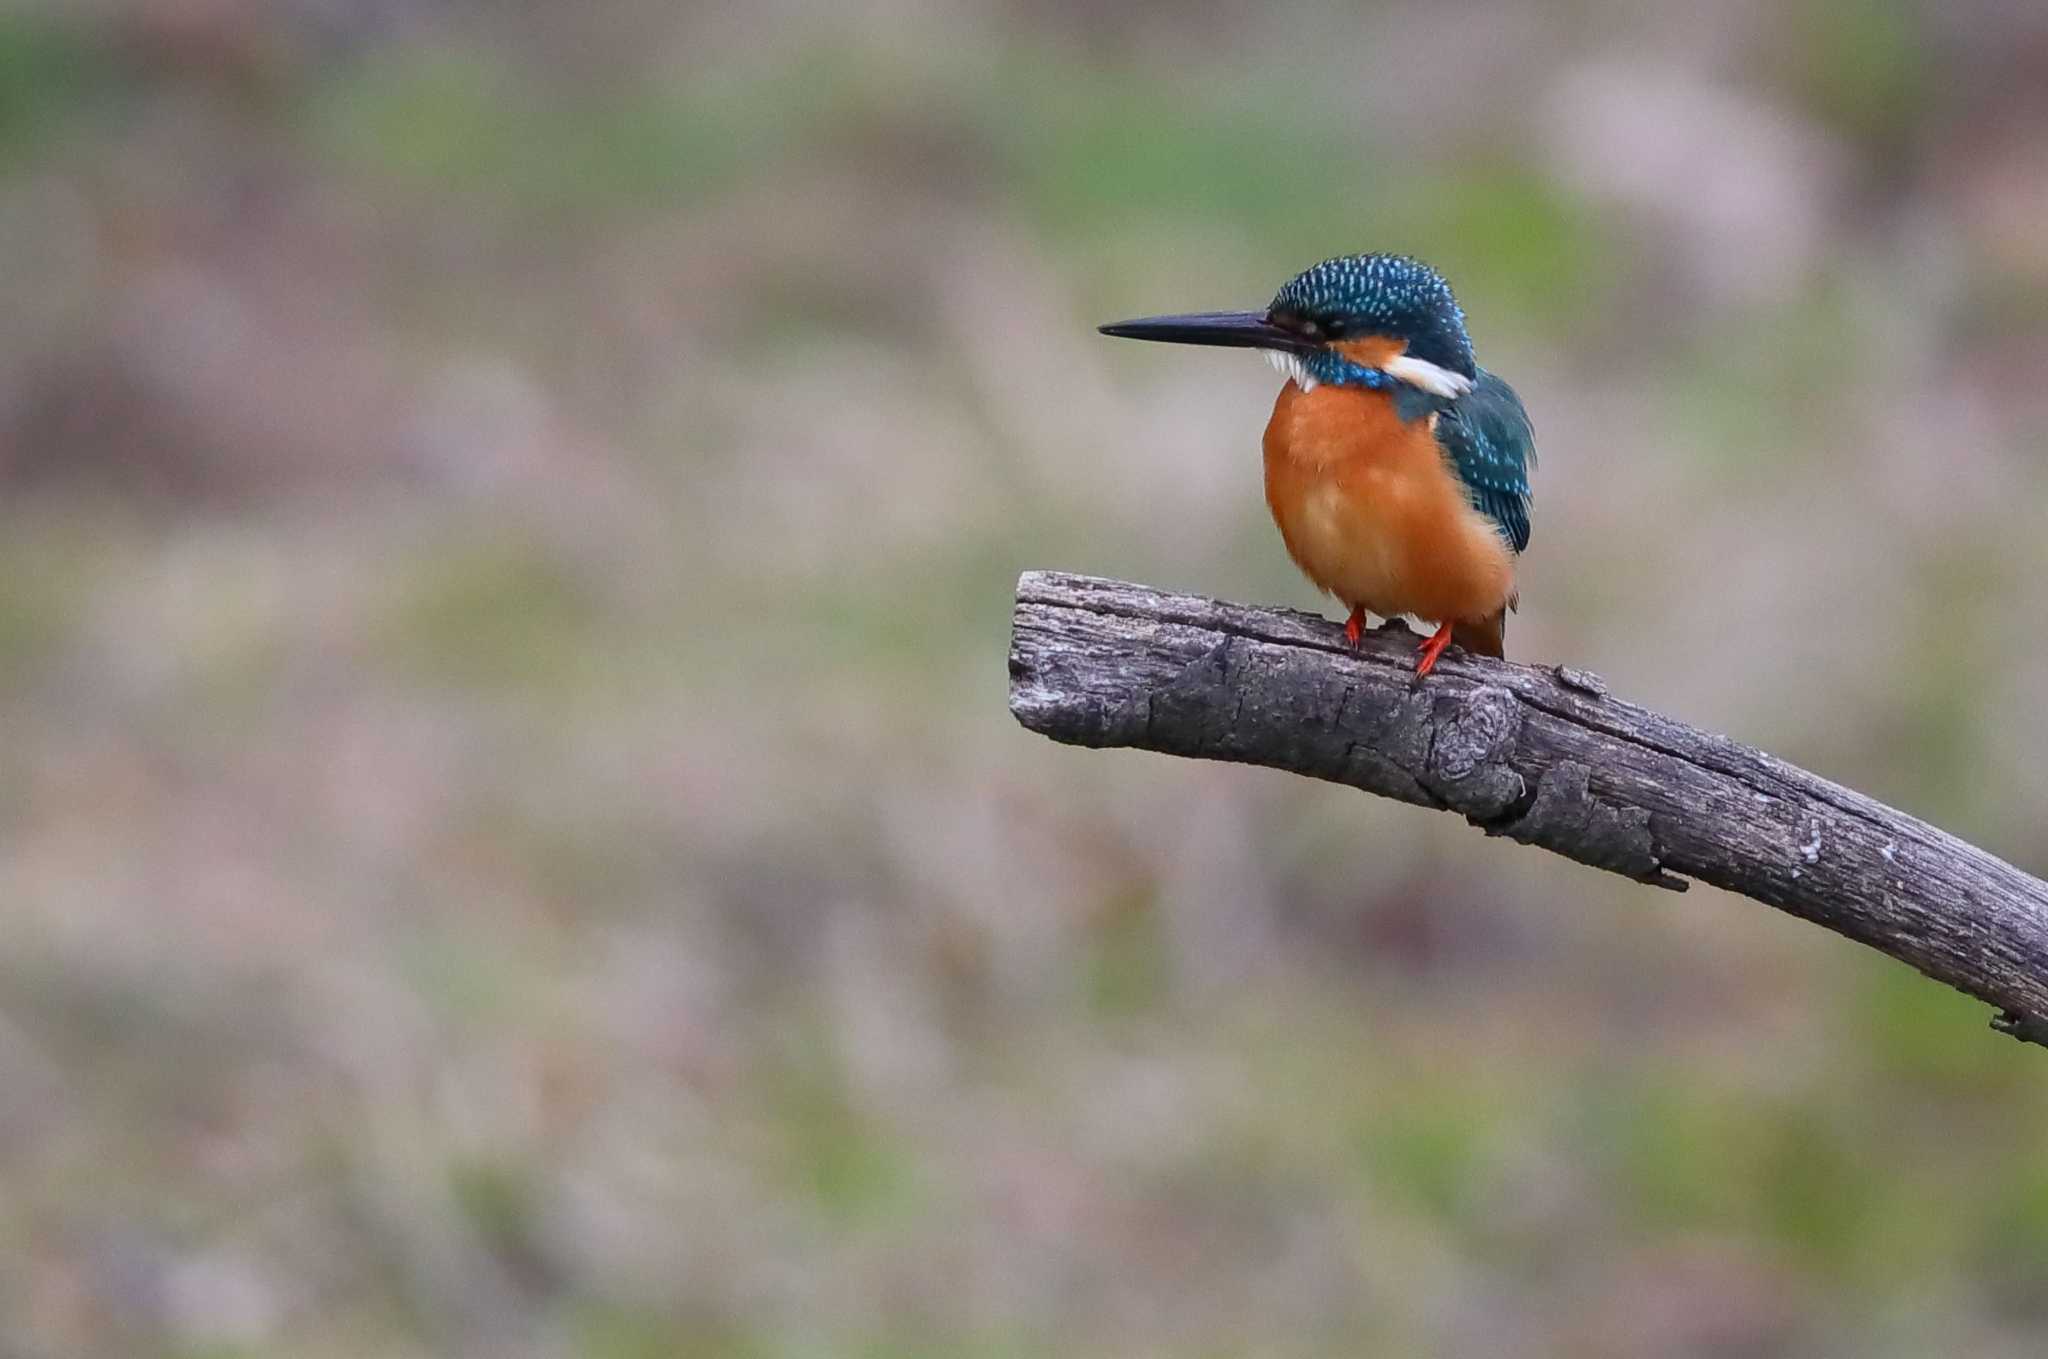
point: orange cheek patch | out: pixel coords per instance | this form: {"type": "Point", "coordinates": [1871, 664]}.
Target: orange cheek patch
{"type": "Point", "coordinates": [1371, 351]}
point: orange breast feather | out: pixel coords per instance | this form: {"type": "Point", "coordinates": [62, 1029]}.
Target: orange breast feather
{"type": "Point", "coordinates": [1371, 511]}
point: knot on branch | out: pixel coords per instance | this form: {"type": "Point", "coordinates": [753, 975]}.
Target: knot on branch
{"type": "Point", "coordinates": [1471, 768]}
{"type": "Point", "coordinates": [1468, 765]}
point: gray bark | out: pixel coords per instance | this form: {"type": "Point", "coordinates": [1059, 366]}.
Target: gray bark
{"type": "Point", "coordinates": [1543, 756]}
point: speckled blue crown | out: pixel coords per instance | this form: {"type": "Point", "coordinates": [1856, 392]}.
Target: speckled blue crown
{"type": "Point", "coordinates": [1359, 295]}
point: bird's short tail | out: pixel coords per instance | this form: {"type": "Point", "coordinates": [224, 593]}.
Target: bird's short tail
{"type": "Point", "coordinates": [1484, 636]}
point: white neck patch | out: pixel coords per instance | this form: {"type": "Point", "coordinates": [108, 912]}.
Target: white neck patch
{"type": "Point", "coordinates": [1432, 378]}
{"type": "Point", "coordinates": [1292, 366]}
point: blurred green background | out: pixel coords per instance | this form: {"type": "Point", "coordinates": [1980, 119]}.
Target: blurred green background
{"type": "Point", "coordinates": [511, 841]}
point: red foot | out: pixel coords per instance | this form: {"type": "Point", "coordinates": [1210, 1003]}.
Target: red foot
{"type": "Point", "coordinates": [1354, 627]}
{"type": "Point", "coordinates": [1425, 660]}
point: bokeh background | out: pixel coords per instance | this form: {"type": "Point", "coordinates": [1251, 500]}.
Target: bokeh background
{"type": "Point", "coordinates": [511, 842]}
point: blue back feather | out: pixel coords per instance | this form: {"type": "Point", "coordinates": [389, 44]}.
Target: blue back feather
{"type": "Point", "coordinates": [1487, 436]}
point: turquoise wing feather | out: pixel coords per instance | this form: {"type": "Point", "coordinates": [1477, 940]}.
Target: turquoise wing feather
{"type": "Point", "coordinates": [1491, 446]}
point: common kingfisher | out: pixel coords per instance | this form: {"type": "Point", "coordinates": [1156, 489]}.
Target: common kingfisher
{"type": "Point", "coordinates": [1396, 467]}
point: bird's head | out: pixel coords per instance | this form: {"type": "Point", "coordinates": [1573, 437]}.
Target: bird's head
{"type": "Point", "coordinates": [1358, 320]}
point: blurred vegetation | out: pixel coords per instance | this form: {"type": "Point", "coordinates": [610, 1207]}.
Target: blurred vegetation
{"type": "Point", "coordinates": [511, 836]}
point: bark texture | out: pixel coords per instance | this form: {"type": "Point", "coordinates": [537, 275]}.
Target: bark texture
{"type": "Point", "coordinates": [1543, 756]}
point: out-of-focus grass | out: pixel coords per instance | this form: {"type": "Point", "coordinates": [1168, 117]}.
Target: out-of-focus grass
{"type": "Point", "coordinates": [1128, 967]}
{"type": "Point", "coordinates": [1748, 404]}
{"type": "Point", "coordinates": [557, 873]}
{"type": "Point", "coordinates": [50, 72]}
{"type": "Point", "coordinates": [1427, 1152]}
{"type": "Point", "coordinates": [462, 120]}
{"type": "Point", "coordinates": [1862, 64]}
{"type": "Point", "coordinates": [1703, 1161]}
{"type": "Point", "coordinates": [1541, 260]}
{"type": "Point", "coordinates": [493, 613]}
{"type": "Point", "coordinates": [835, 1155]}
{"type": "Point", "coordinates": [1090, 151]}
{"type": "Point", "coordinates": [1912, 1031]}
{"type": "Point", "coordinates": [605, 1332]}
{"type": "Point", "coordinates": [1094, 156]}
{"type": "Point", "coordinates": [47, 574]}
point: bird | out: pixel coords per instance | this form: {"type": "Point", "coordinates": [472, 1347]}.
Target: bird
{"type": "Point", "coordinates": [1396, 468]}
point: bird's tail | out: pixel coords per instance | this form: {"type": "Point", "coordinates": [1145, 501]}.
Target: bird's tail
{"type": "Point", "coordinates": [1482, 637]}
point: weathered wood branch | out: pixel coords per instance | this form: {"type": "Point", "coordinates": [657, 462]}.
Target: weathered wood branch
{"type": "Point", "coordinates": [1543, 756]}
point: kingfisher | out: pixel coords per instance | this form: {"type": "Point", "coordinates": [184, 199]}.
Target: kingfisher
{"type": "Point", "coordinates": [1397, 468]}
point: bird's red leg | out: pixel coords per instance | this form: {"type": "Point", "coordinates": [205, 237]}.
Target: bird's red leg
{"type": "Point", "coordinates": [1354, 626]}
{"type": "Point", "coordinates": [1425, 660]}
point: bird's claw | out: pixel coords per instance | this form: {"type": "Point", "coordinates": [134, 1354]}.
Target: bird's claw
{"type": "Point", "coordinates": [1425, 660]}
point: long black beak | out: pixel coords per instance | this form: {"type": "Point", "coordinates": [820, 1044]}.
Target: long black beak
{"type": "Point", "coordinates": [1237, 329]}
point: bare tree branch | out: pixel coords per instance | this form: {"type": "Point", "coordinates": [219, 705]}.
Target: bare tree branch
{"type": "Point", "coordinates": [1543, 756]}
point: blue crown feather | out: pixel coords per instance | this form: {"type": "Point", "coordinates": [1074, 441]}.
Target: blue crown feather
{"type": "Point", "coordinates": [1392, 295]}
